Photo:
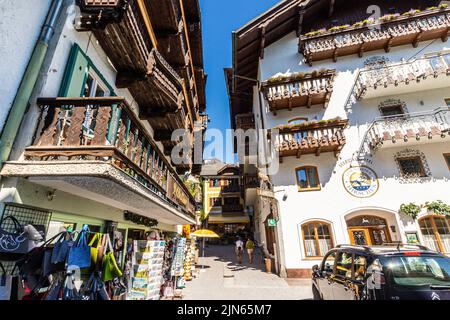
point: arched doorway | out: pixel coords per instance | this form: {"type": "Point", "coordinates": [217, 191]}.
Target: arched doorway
{"type": "Point", "coordinates": [368, 230]}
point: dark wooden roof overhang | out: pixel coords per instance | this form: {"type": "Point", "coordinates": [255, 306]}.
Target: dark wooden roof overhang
{"type": "Point", "coordinates": [249, 43]}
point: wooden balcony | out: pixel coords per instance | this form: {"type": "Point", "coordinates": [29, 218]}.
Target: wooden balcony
{"type": "Point", "coordinates": [106, 129]}
{"type": "Point", "coordinates": [231, 189]}
{"type": "Point", "coordinates": [313, 137]}
{"type": "Point", "coordinates": [245, 121]}
{"type": "Point", "coordinates": [387, 32]}
{"type": "Point", "coordinates": [299, 90]}
{"type": "Point", "coordinates": [232, 209]}
{"type": "Point", "coordinates": [407, 130]}
{"type": "Point", "coordinates": [125, 32]}
{"type": "Point", "coordinates": [420, 74]}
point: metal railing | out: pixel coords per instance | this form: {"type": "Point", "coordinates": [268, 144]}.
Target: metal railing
{"type": "Point", "coordinates": [401, 73]}
{"type": "Point", "coordinates": [406, 127]}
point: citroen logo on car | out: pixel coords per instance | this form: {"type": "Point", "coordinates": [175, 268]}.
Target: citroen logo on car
{"type": "Point", "coordinates": [435, 296]}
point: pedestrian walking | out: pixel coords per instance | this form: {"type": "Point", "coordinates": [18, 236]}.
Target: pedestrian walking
{"type": "Point", "coordinates": [250, 246]}
{"type": "Point", "coordinates": [239, 249]}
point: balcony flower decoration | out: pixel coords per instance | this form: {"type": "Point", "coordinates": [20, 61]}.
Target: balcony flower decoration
{"type": "Point", "coordinates": [389, 17]}
{"type": "Point", "coordinates": [411, 12]}
{"type": "Point", "coordinates": [370, 21]}
{"type": "Point", "coordinates": [307, 124]}
{"type": "Point", "coordinates": [411, 209]}
{"type": "Point", "coordinates": [438, 207]}
{"type": "Point", "coordinates": [339, 28]}
{"type": "Point", "coordinates": [315, 33]}
{"type": "Point", "coordinates": [297, 75]}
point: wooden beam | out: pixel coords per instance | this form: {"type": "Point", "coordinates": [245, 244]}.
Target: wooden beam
{"type": "Point", "coordinates": [417, 39]}
{"type": "Point", "coordinates": [301, 14]}
{"type": "Point", "coordinates": [147, 22]}
{"type": "Point", "coordinates": [318, 151]}
{"type": "Point", "coordinates": [331, 10]}
{"type": "Point", "coordinates": [126, 79]}
{"type": "Point", "coordinates": [263, 41]}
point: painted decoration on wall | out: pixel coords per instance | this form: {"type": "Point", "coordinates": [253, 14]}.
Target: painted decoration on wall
{"type": "Point", "coordinates": [360, 182]}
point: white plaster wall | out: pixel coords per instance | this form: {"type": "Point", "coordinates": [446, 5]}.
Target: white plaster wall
{"type": "Point", "coordinates": [20, 26]}
{"type": "Point", "coordinates": [333, 203]}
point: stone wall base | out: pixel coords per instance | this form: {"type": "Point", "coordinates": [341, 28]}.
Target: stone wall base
{"type": "Point", "coordinates": [299, 273]}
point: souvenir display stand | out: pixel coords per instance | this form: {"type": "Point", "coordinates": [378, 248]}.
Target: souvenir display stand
{"type": "Point", "coordinates": [147, 270]}
{"type": "Point", "coordinates": [189, 262]}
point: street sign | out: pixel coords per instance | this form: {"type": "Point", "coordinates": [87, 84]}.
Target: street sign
{"type": "Point", "coordinates": [272, 222]}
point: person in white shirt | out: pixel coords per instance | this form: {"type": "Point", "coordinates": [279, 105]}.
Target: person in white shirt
{"type": "Point", "coordinates": [239, 250]}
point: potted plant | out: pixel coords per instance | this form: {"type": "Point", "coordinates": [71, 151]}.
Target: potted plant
{"type": "Point", "coordinates": [438, 207]}
{"type": "Point", "coordinates": [411, 209]}
{"type": "Point", "coordinates": [443, 6]}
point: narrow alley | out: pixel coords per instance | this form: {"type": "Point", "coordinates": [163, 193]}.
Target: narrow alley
{"type": "Point", "coordinates": [223, 279]}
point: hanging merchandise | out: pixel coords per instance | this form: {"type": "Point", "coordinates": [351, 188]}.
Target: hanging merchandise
{"type": "Point", "coordinates": [178, 260]}
{"type": "Point", "coordinates": [63, 288]}
{"type": "Point", "coordinates": [15, 244]}
{"type": "Point", "coordinates": [80, 253]}
{"type": "Point", "coordinates": [62, 247]}
{"type": "Point", "coordinates": [146, 277]}
{"type": "Point", "coordinates": [97, 245]}
{"type": "Point", "coordinates": [95, 288]}
{"type": "Point", "coordinates": [5, 284]}
{"type": "Point", "coordinates": [189, 262]}
{"type": "Point", "coordinates": [110, 268]}
{"type": "Point", "coordinates": [36, 266]}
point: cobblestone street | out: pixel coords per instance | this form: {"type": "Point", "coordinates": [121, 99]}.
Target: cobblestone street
{"type": "Point", "coordinates": [224, 279]}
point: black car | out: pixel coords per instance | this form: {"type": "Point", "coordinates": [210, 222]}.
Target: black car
{"type": "Point", "coordinates": [387, 272]}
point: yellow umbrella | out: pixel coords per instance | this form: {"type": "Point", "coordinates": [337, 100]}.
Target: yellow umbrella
{"type": "Point", "coordinates": [205, 233]}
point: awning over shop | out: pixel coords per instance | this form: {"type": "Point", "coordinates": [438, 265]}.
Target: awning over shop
{"type": "Point", "coordinates": [222, 219]}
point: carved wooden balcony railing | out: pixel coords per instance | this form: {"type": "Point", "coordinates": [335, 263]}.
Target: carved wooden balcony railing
{"type": "Point", "coordinates": [245, 121]}
{"type": "Point", "coordinates": [255, 181]}
{"type": "Point", "coordinates": [310, 138]}
{"type": "Point", "coordinates": [299, 90]}
{"type": "Point", "coordinates": [125, 32]}
{"type": "Point", "coordinates": [408, 129]}
{"type": "Point", "coordinates": [390, 32]}
{"type": "Point", "coordinates": [373, 82]}
{"type": "Point", "coordinates": [105, 129]}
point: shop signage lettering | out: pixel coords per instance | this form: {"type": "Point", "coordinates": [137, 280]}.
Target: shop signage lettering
{"type": "Point", "coordinates": [141, 220]}
{"type": "Point", "coordinates": [346, 162]}
{"type": "Point", "coordinates": [360, 182]}
{"type": "Point", "coordinates": [179, 194]}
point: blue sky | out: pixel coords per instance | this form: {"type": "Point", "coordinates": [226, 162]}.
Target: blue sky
{"type": "Point", "coordinates": [219, 19]}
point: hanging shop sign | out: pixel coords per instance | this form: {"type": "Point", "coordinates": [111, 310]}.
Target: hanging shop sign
{"type": "Point", "coordinates": [360, 182]}
{"type": "Point", "coordinates": [179, 195]}
{"type": "Point", "coordinates": [187, 231]}
{"type": "Point", "coordinates": [138, 219]}
{"type": "Point", "coordinates": [272, 222]}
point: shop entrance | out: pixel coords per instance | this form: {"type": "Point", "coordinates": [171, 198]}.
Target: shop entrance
{"type": "Point", "coordinates": [368, 230]}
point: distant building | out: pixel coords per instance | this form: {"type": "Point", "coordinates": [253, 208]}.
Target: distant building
{"type": "Point", "coordinates": [223, 202]}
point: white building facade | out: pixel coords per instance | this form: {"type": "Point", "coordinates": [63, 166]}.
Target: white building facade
{"type": "Point", "coordinates": [360, 134]}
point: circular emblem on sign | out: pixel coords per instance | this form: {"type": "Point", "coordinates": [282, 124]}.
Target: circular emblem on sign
{"type": "Point", "coordinates": [361, 182]}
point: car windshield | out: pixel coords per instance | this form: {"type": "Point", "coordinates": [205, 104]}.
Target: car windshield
{"type": "Point", "coordinates": [419, 270]}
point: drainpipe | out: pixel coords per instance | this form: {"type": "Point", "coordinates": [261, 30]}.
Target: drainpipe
{"type": "Point", "coordinates": [28, 82]}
